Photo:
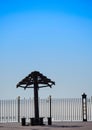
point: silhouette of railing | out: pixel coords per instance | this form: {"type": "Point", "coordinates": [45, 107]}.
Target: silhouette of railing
{"type": "Point", "coordinates": [68, 109]}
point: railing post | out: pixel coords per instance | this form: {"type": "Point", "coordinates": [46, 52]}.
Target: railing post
{"type": "Point", "coordinates": [49, 118]}
{"type": "Point", "coordinates": [50, 106]}
{"type": "Point", "coordinates": [18, 109]}
{"type": "Point", "coordinates": [84, 106]}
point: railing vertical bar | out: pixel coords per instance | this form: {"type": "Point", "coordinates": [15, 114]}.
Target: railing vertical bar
{"type": "Point", "coordinates": [1, 110]}
{"type": "Point", "coordinates": [72, 110]}
{"type": "Point", "coordinates": [67, 109]}
{"type": "Point", "coordinates": [90, 110]}
{"type": "Point", "coordinates": [77, 104]}
{"type": "Point", "coordinates": [27, 108]}
{"type": "Point", "coordinates": [4, 111]}
{"type": "Point", "coordinates": [16, 112]}
{"type": "Point", "coordinates": [75, 109]}
{"type": "Point", "coordinates": [60, 109]}
{"type": "Point", "coordinates": [78, 109]}
{"type": "Point", "coordinates": [11, 110]}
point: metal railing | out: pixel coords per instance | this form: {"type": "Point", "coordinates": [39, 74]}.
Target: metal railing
{"type": "Point", "coordinates": [61, 109]}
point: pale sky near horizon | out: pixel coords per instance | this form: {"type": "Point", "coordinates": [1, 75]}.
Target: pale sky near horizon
{"type": "Point", "coordinates": [50, 36]}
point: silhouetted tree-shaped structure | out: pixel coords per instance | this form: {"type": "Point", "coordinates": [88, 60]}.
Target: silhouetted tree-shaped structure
{"type": "Point", "coordinates": [35, 80]}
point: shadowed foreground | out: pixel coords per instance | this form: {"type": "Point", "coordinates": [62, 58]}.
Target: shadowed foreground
{"type": "Point", "coordinates": [54, 126]}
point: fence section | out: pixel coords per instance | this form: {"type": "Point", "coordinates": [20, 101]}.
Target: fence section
{"type": "Point", "coordinates": [61, 109]}
{"type": "Point", "coordinates": [89, 109]}
{"type": "Point", "coordinates": [8, 110]}
{"type": "Point", "coordinates": [67, 109]}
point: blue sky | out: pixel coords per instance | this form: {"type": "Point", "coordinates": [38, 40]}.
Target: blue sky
{"type": "Point", "coordinates": [50, 36]}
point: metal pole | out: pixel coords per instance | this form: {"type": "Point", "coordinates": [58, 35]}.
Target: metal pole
{"type": "Point", "coordinates": [18, 109]}
{"type": "Point", "coordinates": [36, 98]}
{"type": "Point", "coordinates": [49, 118]}
{"type": "Point", "coordinates": [84, 106]}
{"type": "Point", "coordinates": [50, 106]}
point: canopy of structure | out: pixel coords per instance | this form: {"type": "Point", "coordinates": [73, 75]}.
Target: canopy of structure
{"type": "Point", "coordinates": [42, 81]}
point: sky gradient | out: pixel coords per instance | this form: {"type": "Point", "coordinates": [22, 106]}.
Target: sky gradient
{"type": "Point", "coordinates": [50, 36]}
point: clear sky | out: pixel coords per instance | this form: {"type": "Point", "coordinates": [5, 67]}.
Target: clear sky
{"type": "Point", "coordinates": [50, 36]}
